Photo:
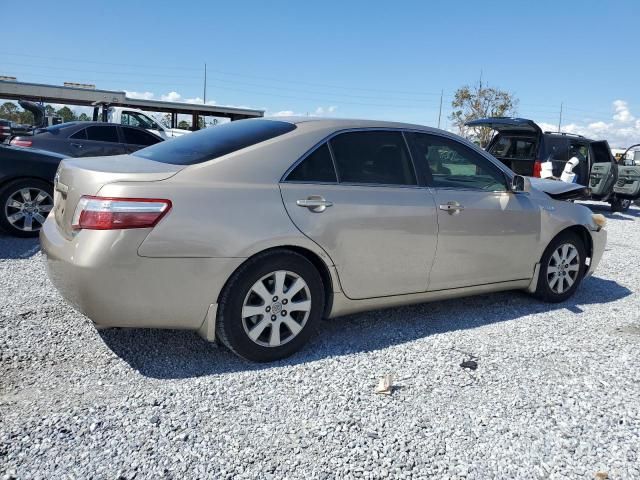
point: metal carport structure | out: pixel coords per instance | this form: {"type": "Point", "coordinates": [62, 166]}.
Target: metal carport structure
{"type": "Point", "coordinates": [92, 97]}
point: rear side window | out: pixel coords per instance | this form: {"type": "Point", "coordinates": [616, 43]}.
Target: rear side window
{"type": "Point", "coordinates": [316, 168]}
{"type": "Point", "coordinates": [556, 148]}
{"type": "Point", "coordinates": [138, 137]}
{"type": "Point", "coordinates": [373, 157]}
{"type": "Point", "coordinates": [103, 134]}
{"type": "Point", "coordinates": [215, 142]}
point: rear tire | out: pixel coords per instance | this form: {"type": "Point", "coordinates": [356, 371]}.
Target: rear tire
{"type": "Point", "coordinates": [270, 306]}
{"type": "Point", "coordinates": [24, 205]}
{"type": "Point", "coordinates": [562, 268]}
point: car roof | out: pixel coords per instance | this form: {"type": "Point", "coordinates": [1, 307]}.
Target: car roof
{"type": "Point", "coordinates": [346, 123]}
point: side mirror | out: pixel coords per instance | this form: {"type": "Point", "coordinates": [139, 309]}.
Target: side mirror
{"type": "Point", "coordinates": [520, 184]}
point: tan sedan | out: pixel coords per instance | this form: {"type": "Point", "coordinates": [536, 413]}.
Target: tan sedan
{"type": "Point", "coordinates": [252, 231]}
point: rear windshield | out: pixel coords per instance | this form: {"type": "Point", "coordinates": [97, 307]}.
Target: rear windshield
{"type": "Point", "coordinates": [513, 147]}
{"type": "Point", "coordinates": [214, 142]}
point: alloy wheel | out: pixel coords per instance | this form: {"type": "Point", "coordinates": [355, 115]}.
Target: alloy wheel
{"type": "Point", "coordinates": [276, 308]}
{"type": "Point", "coordinates": [26, 209]}
{"type": "Point", "coordinates": [563, 268]}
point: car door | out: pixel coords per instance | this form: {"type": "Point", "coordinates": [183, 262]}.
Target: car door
{"type": "Point", "coordinates": [486, 234]}
{"type": "Point", "coordinates": [604, 169]}
{"type": "Point", "coordinates": [357, 196]}
{"type": "Point", "coordinates": [96, 140]}
{"type": "Point", "coordinates": [134, 139]}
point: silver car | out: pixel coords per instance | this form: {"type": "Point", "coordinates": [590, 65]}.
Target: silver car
{"type": "Point", "coordinates": [252, 231]}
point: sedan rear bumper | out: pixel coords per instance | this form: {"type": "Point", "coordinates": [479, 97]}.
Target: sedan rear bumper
{"type": "Point", "coordinates": [102, 275]}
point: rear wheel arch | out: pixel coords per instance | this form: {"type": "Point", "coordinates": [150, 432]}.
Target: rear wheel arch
{"type": "Point", "coordinates": [309, 255]}
{"type": "Point", "coordinates": [8, 180]}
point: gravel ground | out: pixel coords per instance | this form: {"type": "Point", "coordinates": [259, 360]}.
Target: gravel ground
{"type": "Point", "coordinates": [555, 395]}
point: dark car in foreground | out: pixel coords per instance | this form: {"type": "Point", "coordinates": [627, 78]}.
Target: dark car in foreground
{"type": "Point", "coordinates": [26, 188]}
{"type": "Point", "coordinates": [88, 139]}
{"type": "Point", "coordinates": [28, 166]}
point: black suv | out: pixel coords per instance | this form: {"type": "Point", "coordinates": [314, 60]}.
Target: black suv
{"type": "Point", "coordinates": [522, 146]}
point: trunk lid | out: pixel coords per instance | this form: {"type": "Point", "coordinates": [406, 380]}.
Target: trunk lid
{"type": "Point", "coordinates": [502, 124]}
{"type": "Point", "coordinates": [86, 176]}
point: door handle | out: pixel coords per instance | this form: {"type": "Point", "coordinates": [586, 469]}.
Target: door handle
{"type": "Point", "coordinates": [315, 203]}
{"type": "Point", "coordinates": [76, 145]}
{"type": "Point", "coordinates": [451, 207]}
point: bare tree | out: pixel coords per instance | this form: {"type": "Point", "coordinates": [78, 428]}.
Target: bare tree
{"type": "Point", "coordinates": [480, 101]}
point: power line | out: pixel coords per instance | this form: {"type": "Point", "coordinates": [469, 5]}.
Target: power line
{"type": "Point", "coordinates": [221, 72]}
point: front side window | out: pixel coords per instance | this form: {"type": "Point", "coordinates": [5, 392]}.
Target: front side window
{"type": "Point", "coordinates": [373, 157]}
{"type": "Point", "coordinates": [103, 133]}
{"type": "Point", "coordinates": [317, 167]}
{"type": "Point", "coordinates": [451, 164]}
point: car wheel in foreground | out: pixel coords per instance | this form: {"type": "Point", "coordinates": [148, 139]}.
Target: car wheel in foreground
{"type": "Point", "coordinates": [24, 206]}
{"type": "Point", "coordinates": [562, 268]}
{"type": "Point", "coordinates": [270, 305]}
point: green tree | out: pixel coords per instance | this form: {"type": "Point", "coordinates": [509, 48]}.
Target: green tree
{"type": "Point", "coordinates": [10, 111]}
{"type": "Point", "coordinates": [67, 114]}
{"type": "Point", "coordinates": [49, 110]}
{"type": "Point", "coordinates": [26, 117]}
{"type": "Point", "coordinates": [184, 125]}
{"type": "Point", "coordinates": [480, 101]}
{"type": "Point", "coordinates": [166, 120]}
{"type": "Point", "coordinates": [84, 117]}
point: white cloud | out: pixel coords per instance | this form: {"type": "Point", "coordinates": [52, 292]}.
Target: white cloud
{"type": "Point", "coordinates": [140, 95]}
{"type": "Point", "coordinates": [621, 131]}
{"type": "Point", "coordinates": [283, 113]}
{"type": "Point", "coordinates": [171, 97]}
{"type": "Point", "coordinates": [622, 112]}
{"type": "Point", "coordinates": [318, 112]}
{"type": "Point", "coordinates": [321, 111]}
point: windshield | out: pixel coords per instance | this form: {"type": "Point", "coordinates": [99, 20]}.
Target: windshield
{"type": "Point", "coordinates": [136, 119]}
{"type": "Point", "coordinates": [215, 142]}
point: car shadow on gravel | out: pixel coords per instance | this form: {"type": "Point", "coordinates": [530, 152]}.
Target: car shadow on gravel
{"type": "Point", "coordinates": [12, 248]}
{"type": "Point", "coordinates": [172, 354]}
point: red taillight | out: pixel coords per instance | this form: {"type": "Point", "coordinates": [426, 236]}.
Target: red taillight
{"type": "Point", "coordinates": [20, 143]}
{"type": "Point", "coordinates": [108, 213]}
{"type": "Point", "coordinates": [537, 169]}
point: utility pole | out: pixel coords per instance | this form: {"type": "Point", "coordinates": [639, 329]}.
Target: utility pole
{"type": "Point", "coordinates": [440, 112]}
{"type": "Point", "coordinates": [205, 84]}
{"type": "Point", "coordinates": [560, 119]}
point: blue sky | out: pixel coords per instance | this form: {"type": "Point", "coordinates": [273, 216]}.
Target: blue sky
{"type": "Point", "coordinates": [371, 59]}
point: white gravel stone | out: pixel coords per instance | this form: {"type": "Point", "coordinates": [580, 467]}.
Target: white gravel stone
{"type": "Point", "coordinates": [555, 395]}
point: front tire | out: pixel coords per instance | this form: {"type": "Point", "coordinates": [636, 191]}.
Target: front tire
{"type": "Point", "coordinates": [270, 306]}
{"type": "Point", "coordinates": [24, 206]}
{"type": "Point", "coordinates": [562, 268]}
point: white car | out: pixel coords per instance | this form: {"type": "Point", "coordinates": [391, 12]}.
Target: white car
{"type": "Point", "coordinates": [138, 118]}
